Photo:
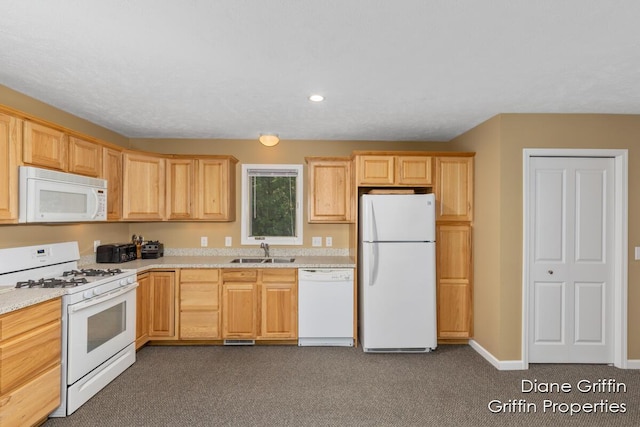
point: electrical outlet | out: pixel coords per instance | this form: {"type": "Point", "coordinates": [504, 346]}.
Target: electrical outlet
{"type": "Point", "coordinates": [328, 241]}
{"type": "Point", "coordinates": [204, 241]}
{"type": "Point", "coordinates": [227, 241]}
{"type": "Point", "coordinates": [96, 243]}
{"type": "Point", "coordinates": [316, 241]}
{"type": "Point", "coordinates": [637, 252]}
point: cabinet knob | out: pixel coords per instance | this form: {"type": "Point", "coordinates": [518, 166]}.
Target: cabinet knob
{"type": "Point", "coordinates": [550, 271]}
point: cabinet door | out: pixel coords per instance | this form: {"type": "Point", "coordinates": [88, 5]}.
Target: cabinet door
{"type": "Point", "coordinates": [454, 188]}
{"type": "Point", "coordinates": [162, 307]}
{"type": "Point", "coordinates": [85, 158]}
{"type": "Point", "coordinates": [216, 189]}
{"type": "Point", "coordinates": [10, 153]}
{"type": "Point", "coordinates": [44, 146]}
{"type": "Point", "coordinates": [414, 170]}
{"type": "Point", "coordinates": [143, 298]}
{"type": "Point", "coordinates": [144, 186]}
{"type": "Point", "coordinates": [454, 272]}
{"type": "Point", "coordinates": [112, 172]}
{"type": "Point", "coordinates": [240, 310]}
{"type": "Point", "coordinates": [330, 191]}
{"type": "Point", "coordinates": [375, 170]}
{"type": "Point", "coordinates": [279, 304]}
{"type": "Point", "coordinates": [180, 188]}
{"type": "Point", "coordinates": [199, 304]}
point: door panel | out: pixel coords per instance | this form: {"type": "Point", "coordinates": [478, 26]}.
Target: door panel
{"type": "Point", "coordinates": [571, 271]}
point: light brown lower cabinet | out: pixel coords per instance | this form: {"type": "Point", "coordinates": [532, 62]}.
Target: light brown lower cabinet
{"type": "Point", "coordinates": [454, 284]}
{"type": "Point", "coordinates": [30, 360]}
{"type": "Point", "coordinates": [259, 304]}
{"type": "Point", "coordinates": [142, 310]}
{"type": "Point", "coordinates": [199, 304]}
{"type": "Point", "coordinates": [162, 306]}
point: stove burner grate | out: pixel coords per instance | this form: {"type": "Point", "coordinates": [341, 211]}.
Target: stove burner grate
{"type": "Point", "coordinates": [92, 272]}
{"type": "Point", "coordinates": [52, 283]}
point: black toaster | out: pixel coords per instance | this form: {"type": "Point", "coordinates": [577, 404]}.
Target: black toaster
{"type": "Point", "coordinates": [116, 252]}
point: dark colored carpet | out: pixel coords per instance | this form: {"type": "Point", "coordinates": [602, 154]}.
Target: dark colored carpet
{"type": "Point", "coordinates": [322, 386]}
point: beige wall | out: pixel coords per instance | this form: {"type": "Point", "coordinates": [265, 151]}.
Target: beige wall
{"type": "Point", "coordinates": [485, 141]}
{"type": "Point", "coordinates": [32, 107]}
{"type": "Point", "coordinates": [503, 253]}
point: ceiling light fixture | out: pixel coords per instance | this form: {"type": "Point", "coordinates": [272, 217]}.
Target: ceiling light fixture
{"type": "Point", "coordinates": [316, 98]}
{"type": "Point", "coordinates": [269, 140]}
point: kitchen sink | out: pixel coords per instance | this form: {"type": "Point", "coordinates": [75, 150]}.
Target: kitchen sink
{"type": "Point", "coordinates": [262, 260]}
{"type": "Point", "coordinates": [249, 260]}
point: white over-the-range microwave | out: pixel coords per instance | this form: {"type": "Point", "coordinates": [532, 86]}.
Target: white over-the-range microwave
{"type": "Point", "coordinates": [51, 196]}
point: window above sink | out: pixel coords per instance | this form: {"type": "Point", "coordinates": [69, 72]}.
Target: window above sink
{"type": "Point", "coordinates": [272, 204]}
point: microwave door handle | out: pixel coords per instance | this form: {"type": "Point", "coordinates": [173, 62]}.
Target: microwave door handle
{"type": "Point", "coordinates": [96, 203]}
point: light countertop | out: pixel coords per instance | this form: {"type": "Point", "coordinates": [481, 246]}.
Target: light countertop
{"type": "Point", "coordinates": [12, 299]}
{"type": "Point", "coordinates": [142, 265]}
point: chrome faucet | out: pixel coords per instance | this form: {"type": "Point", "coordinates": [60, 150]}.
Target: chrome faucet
{"type": "Point", "coordinates": [265, 246]}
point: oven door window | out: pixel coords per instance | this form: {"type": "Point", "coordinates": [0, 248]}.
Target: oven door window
{"type": "Point", "coordinates": [105, 325]}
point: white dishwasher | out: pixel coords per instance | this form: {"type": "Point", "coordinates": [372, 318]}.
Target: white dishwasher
{"type": "Point", "coordinates": [325, 307]}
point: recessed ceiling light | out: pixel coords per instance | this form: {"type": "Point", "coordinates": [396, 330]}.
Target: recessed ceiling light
{"type": "Point", "coordinates": [316, 98]}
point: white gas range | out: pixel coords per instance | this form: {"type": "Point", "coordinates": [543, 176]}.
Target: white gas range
{"type": "Point", "coordinates": [98, 315]}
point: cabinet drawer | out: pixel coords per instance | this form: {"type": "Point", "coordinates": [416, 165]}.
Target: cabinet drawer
{"type": "Point", "coordinates": [33, 401]}
{"type": "Point", "coordinates": [199, 275]}
{"type": "Point", "coordinates": [199, 296]}
{"type": "Point", "coordinates": [199, 325]}
{"type": "Point", "coordinates": [239, 275]}
{"type": "Point", "coordinates": [279, 275]}
{"type": "Point", "coordinates": [23, 320]}
{"type": "Point", "coordinates": [28, 355]}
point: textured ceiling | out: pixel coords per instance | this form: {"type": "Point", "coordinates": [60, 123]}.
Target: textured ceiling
{"type": "Point", "coordinates": [390, 70]}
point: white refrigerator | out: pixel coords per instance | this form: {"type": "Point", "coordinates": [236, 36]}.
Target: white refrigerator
{"type": "Point", "coordinates": [397, 273]}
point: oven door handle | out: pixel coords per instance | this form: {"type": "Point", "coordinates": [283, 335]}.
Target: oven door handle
{"type": "Point", "coordinates": [101, 298]}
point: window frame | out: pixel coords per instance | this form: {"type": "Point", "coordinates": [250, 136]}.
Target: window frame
{"type": "Point", "coordinates": [245, 207]}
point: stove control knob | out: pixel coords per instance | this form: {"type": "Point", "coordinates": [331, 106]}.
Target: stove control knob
{"type": "Point", "coordinates": [123, 282]}
{"type": "Point", "coordinates": [130, 279]}
{"type": "Point", "coordinates": [89, 293]}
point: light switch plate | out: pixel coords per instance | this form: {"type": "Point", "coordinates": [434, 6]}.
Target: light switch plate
{"type": "Point", "coordinates": [328, 241]}
{"type": "Point", "coordinates": [204, 241]}
{"type": "Point", "coordinates": [227, 241]}
{"type": "Point", "coordinates": [316, 241]}
{"type": "Point", "coordinates": [96, 243]}
{"type": "Point", "coordinates": [637, 252]}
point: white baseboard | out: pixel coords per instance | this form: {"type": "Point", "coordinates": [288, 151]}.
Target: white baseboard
{"type": "Point", "coordinates": [518, 365]}
{"type": "Point", "coordinates": [502, 365]}
{"type": "Point", "coordinates": [633, 364]}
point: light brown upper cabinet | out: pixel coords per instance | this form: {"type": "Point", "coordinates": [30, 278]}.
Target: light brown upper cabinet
{"type": "Point", "coordinates": [216, 189]}
{"type": "Point", "coordinates": [180, 188]}
{"type": "Point", "coordinates": [10, 152]}
{"type": "Point", "coordinates": [85, 158]}
{"type": "Point", "coordinates": [330, 187]}
{"type": "Point", "coordinates": [44, 146]}
{"type": "Point", "coordinates": [394, 170]}
{"type": "Point", "coordinates": [143, 191]}
{"type": "Point", "coordinates": [454, 188]}
{"type": "Point", "coordinates": [112, 172]}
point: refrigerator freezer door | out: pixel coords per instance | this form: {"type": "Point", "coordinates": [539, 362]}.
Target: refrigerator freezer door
{"type": "Point", "coordinates": [398, 305]}
{"type": "Point", "coordinates": [397, 218]}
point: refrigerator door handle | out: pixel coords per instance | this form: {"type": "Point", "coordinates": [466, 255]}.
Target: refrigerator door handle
{"type": "Point", "coordinates": [372, 221]}
{"type": "Point", "coordinates": [373, 264]}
